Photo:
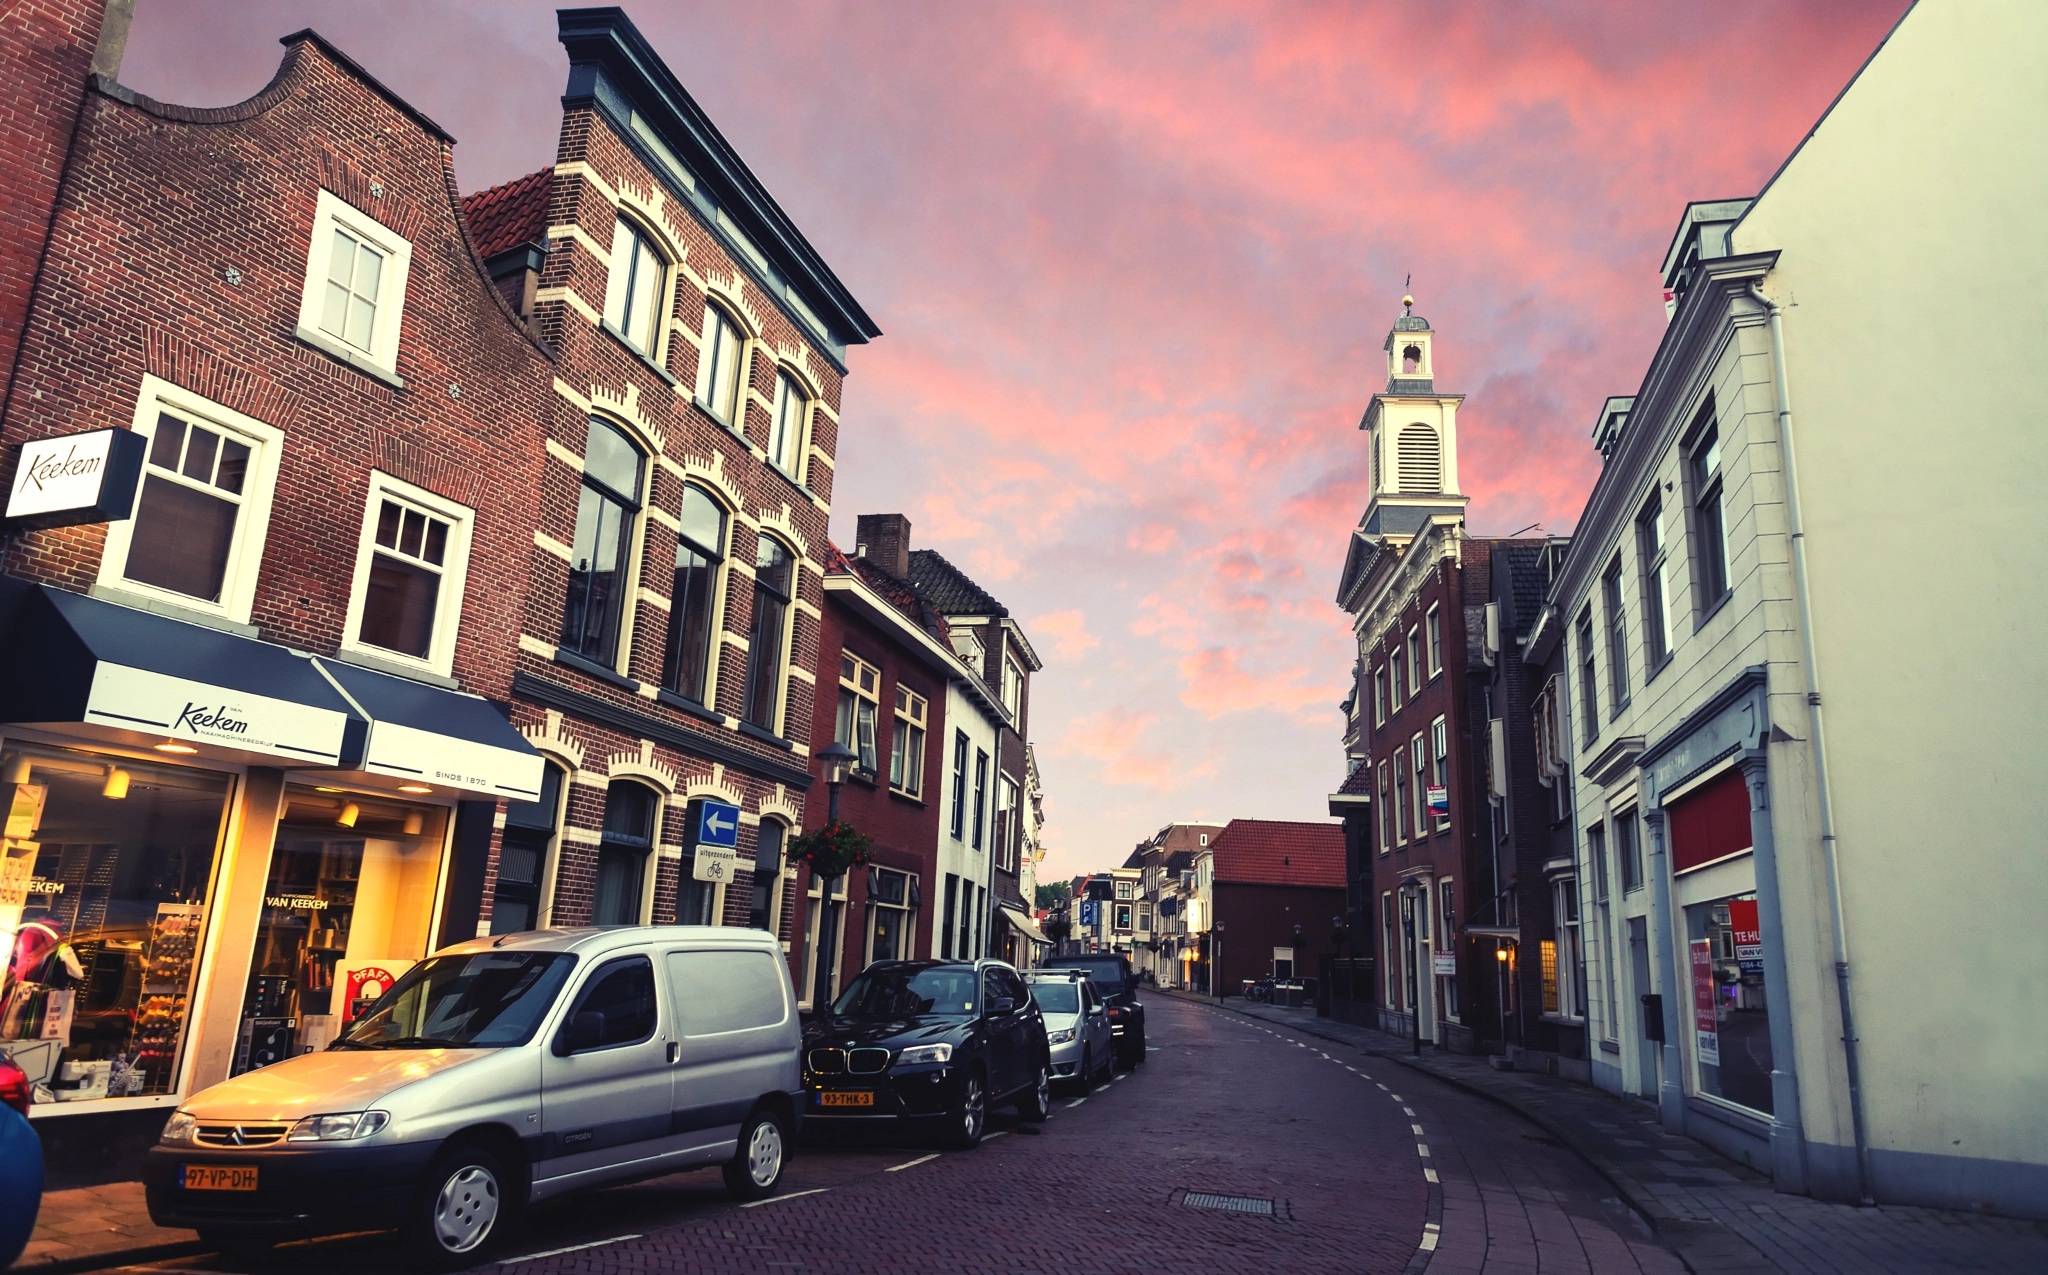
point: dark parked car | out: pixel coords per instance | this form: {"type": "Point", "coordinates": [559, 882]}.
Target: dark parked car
{"type": "Point", "coordinates": [1112, 976]}
{"type": "Point", "coordinates": [935, 1042]}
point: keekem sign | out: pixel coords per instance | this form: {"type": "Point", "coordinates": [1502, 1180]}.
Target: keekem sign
{"type": "Point", "coordinates": [76, 478]}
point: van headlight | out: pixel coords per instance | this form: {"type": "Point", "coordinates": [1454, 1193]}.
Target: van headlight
{"type": "Point", "coordinates": [178, 1128]}
{"type": "Point", "coordinates": [341, 1128]}
{"type": "Point", "coordinates": [1060, 1037]}
{"type": "Point", "coordinates": [925, 1054]}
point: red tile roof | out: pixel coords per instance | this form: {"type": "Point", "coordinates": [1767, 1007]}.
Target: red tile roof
{"type": "Point", "coordinates": [1276, 852]}
{"type": "Point", "coordinates": [1358, 783]}
{"type": "Point", "coordinates": [901, 594]}
{"type": "Point", "coordinates": [509, 215]}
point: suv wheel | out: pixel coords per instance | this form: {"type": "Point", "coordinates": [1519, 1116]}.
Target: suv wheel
{"type": "Point", "coordinates": [969, 1115]}
{"type": "Point", "coordinates": [1036, 1105]}
{"type": "Point", "coordinates": [462, 1208]}
{"type": "Point", "coordinates": [755, 1169]}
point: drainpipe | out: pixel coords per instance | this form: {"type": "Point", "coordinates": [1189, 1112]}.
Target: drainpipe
{"type": "Point", "coordinates": [1829, 842]}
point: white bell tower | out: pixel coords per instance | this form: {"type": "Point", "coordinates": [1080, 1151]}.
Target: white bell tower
{"type": "Point", "coordinates": [1414, 435]}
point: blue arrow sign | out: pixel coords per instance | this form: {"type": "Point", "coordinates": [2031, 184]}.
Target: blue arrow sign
{"type": "Point", "coordinates": [718, 824]}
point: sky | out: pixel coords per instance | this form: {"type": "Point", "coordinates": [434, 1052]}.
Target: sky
{"type": "Point", "coordinates": [1134, 264]}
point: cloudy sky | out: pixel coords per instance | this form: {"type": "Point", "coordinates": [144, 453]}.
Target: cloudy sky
{"type": "Point", "coordinates": [1134, 263]}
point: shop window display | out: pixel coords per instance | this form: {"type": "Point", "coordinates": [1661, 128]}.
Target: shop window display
{"type": "Point", "coordinates": [346, 911]}
{"type": "Point", "coordinates": [105, 874]}
{"type": "Point", "coordinates": [1731, 1022]}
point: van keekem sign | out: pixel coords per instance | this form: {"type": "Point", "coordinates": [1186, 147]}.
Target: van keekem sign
{"type": "Point", "coordinates": [139, 699]}
{"type": "Point", "coordinates": [76, 478]}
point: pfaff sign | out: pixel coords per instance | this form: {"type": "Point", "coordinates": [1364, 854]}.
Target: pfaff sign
{"type": "Point", "coordinates": [76, 478]}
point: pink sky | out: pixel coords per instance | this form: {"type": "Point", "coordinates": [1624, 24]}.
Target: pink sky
{"type": "Point", "coordinates": [1135, 262]}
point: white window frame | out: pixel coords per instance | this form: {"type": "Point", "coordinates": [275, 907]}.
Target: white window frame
{"type": "Point", "coordinates": [1416, 674]}
{"type": "Point", "coordinates": [707, 371]}
{"type": "Point", "coordinates": [245, 554]}
{"type": "Point", "coordinates": [1379, 696]}
{"type": "Point", "coordinates": [331, 213]}
{"type": "Point", "coordinates": [1435, 624]}
{"type": "Point", "coordinates": [447, 606]}
{"type": "Point", "coordinates": [1401, 810]}
{"type": "Point", "coordinates": [1394, 679]}
{"type": "Point", "coordinates": [1418, 759]}
{"type": "Point", "coordinates": [850, 684]}
{"type": "Point", "coordinates": [1387, 821]}
{"type": "Point", "coordinates": [906, 764]}
{"type": "Point", "coordinates": [637, 233]}
{"type": "Point", "coordinates": [1440, 762]}
{"type": "Point", "coordinates": [787, 438]}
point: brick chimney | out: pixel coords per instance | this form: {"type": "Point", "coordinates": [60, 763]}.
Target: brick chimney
{"type": "Point", "coordinates": [884, 539]}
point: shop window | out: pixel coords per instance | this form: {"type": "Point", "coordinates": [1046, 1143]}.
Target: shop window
{"type": "Point", "coordinates": [825, 909]}
{"type": "Point", "coordinates": [607, 506]}
{"type": "Point", "coordinates": [406, 599]}
{"type": "Point", "coordinates": [1571, 960]}
{"type": "Point", "coordinates": [891, 915]}
{"type": "Point", "coordinates": [786, 438]}
{"type": "Point", "coordinates": [906, 745]}
{"type": "Point", "coordinates": [196, 537]}
{"type": "Point", "coordinates": [696, 900]}
{"type": "Point", "coordinates": [346, 910]}
{"type": "Point", "coordinates": [636, 289]}
{"type": "Point", "coordinates": [719, 368]}
{"type": "Point", "coordinates": [693, 597]}
{"type": "Point", "coordinates": [860, 698]}
{"type": "Point", "coordinates": [1730, 1016]}
{"type": "Point", "coordinates": [774, 585]}
{"type": "Point", "coordinates": [630, 818]}
{"type": "Point", "coordinates": [529, 840]}
{"type": "Point", "coordinates": [106, 872]}
{"type": "Point", "coordinates": [766, 913]}
{"type": "Point", "coordinates": [354, 294]}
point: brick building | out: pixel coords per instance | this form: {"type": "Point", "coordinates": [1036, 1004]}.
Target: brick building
{"type": "Point", "coordinates": [666, 657]}
{"type": "Point", "coordinates": [252, 682]}
{"type": "Point", "coordinates": [1276, 892]}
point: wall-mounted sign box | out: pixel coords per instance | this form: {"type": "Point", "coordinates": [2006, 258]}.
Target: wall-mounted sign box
{"type": "Point", "coordinates": [76, 478]}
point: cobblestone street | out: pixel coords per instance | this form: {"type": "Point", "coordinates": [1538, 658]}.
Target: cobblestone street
{"type": "Point", "coordinates": [1225, 1106]}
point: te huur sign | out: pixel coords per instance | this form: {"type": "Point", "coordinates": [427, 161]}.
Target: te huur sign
{"type": "Point", "coordinates": [76, 478]}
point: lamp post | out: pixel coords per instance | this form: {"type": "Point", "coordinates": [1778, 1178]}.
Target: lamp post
{"type": "Point", "coordinates": [1216, 959]}
{"type": "Point", "coordinates": [835, 761]}
{"type": "Point", "coordinates": [1411, 896]}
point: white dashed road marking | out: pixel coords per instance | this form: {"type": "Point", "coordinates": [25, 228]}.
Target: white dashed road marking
{"type": "Point", "coordinates": [1075, 1103]}
{"type": "Point", "coordinates": [573, 1248]}
{"type": "Point", "coordinates": [1416, 1129]}
{"type": "Point", "coordinates": [777, 1199]}
{"type": "Point", "coordinates": [911, 1164]}
{"type": "Point", "coordinates": [1429, 1175]}
{"type": "Point", "coordinates": [1422, 1149]}
{"type": "Point", "coordinates": [1430, 1233]}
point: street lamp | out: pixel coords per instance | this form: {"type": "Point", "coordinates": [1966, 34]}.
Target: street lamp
{"type": "Point", "coordinates": [835, 762]}
{"type": "Point", "coordinates": [1216, 959]}
{"type": "Point", "coordinates": [1411, 898]}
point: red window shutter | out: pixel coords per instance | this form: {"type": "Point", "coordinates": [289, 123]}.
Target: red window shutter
{"type": "Point", "coordinates": [1711, 822]}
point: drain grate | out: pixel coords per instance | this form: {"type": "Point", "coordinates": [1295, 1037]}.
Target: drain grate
{"type": "Point", "coordinates": [1227, 1203]}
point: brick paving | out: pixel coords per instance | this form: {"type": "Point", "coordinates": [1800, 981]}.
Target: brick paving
{"type": "Point", "coordinates": [1224, 1105]}
{"type": "Point", "coordinates": [1718, 1215]}
{"type": "Point", "coordinates": [85, 1226]}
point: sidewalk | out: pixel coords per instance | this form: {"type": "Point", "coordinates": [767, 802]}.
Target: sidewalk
{"type": "Point", "coordinates": [1716, 1214]}
{"type": "Point", "coordinates": [91, 1227]}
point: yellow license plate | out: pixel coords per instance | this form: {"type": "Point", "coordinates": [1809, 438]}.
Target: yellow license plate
{"type": "Point", "coordinates": [216, 1177]}
{"type": "Point", "coordinates": [846, 1100]}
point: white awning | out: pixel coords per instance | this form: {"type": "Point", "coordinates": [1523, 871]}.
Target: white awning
{"type": "Point", "coordinates": [1024, 925]}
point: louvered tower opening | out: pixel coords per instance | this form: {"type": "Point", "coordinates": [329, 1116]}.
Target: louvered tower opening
{"type": "Point", "coordinates": [1421, 459]}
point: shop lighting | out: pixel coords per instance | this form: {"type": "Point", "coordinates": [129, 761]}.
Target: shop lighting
{"type": "Point", "coordinates": [116, 786]}
{"type": "Point", "coordinates": [173, 746]}
{"type": "Point", "coordinates": [330, 790]}
{"type": "Point", "coordinates": [349, 814]}
{"type": "Point", "coordinates": [18, 770]}
{"type": "Point", "coordinates": [1500, 954]}
{"type": "Point", "coordinates": [420, 788]}
{"type": "Point", "coordinates": [414, 823]}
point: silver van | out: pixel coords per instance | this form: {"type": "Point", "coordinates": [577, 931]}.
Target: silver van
{"type": "Point", "coordinates": [494, 1074]}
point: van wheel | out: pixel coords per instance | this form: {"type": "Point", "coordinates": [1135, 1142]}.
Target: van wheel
{"type": "Point", "coordinates": [969, 1116]}
{"type": "Point", "coordinates": [462, 1208]}
{"type": "Point", "coordinates": [1035, 1107]}
{"type": "Point", "coordinates": [755, 1169]}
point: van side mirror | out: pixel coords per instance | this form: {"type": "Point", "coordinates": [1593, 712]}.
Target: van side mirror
{"type": "Point", "coordinates": [584, 1031]}
{"type": "Point", "coordinates": [1002, 1005]}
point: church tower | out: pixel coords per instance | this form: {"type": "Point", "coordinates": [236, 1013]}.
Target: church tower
{"type": "Point", "coordinates": [1414, 436]}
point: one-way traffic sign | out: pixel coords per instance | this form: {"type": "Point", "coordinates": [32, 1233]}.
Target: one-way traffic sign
{"type": "Point", "coordinates": [718, 824]}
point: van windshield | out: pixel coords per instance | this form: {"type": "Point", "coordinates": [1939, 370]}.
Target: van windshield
{"type": "Point", "coordinates": [483, 1001]}
{"type": "Point", "coordinates": [906, 991]}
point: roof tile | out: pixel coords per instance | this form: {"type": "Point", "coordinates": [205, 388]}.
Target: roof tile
{"type": "Point", "coordinates": [1278, 852]}
{"type": "Point", "coordinates": [509, 215]}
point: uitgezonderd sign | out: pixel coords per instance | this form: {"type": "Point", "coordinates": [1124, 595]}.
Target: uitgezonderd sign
{"type": "Point", "coordinates": [76, 478]}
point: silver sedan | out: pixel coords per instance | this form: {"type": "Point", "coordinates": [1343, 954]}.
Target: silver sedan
{"type": "Point", "coordinates": [1076, 1027]}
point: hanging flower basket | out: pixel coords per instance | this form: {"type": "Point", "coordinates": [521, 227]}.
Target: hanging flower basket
{"type": "Point", "coordinates": [832, 850]}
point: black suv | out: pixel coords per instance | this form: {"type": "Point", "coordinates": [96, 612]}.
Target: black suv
{"type": "Point", "coordinates": [1112, 977]}
{"type": "Point", "coordinates": [937, 1042]}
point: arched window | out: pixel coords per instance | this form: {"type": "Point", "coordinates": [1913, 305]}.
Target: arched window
{"type": "Point", "coordinates": [693, 622]}
{"type": "Point", "coordinates": [785, 444]}
{"type": "Point", "coordinates": [637, 286]}
{"type": "Point", "coordinates": [1411, 360]}
{"type": "Point", "coordinates": [767, 910]}
{"type": "Point", "coordinates": [630, 812]}
{"type": "Point", "coordinates": [718, 366]}
{"type": "Point", "coordinates": [530, 828]}
{"type": "Point", "coordinates": [773, 582]}
{"type": "Point", "coordinates": [1420, 459]}
{"type": "Point", "coordinates": [605, 513]}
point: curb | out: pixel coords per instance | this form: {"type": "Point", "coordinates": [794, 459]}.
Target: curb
{"type": "Point", "coordinates": [1628, 1194]}
{"type": "Point", "coordinates": [112, 1257]}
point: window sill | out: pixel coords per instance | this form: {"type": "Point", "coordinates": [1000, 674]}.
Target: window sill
{"type": "Point", "coordinates": [766, 736]}
{"type": "Point", "coordinates": [395, 668]}
{"type": "Point", "coordinates": [1563, 1020]}
{"type": "Point", "coordinates": [1657, 668]}
{"type": "Point", "coordinates": [791, 479]}
{"type": "Point", "coordinates": [685, 704]}
{"type": "Point", "coordinates": [720, 421]}
{"type": "Point", "coordinates": [1707, 616]}
{"type": "Point", "coordinates": [909, 799]}
{"type": "Point", "coordinates": [355, 358]}
{"type": "Point", "coordinates": [171, 610]}
{"type": "Point", "coordinates": [646, 359]}
{"type": "Point", "coordinates": [569, 659]}
{"type": "Point", "coordinates": [1611, 1047]}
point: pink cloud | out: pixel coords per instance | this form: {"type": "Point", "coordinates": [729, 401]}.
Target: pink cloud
{"type": "Point", "coordinates": [1069, 633]}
